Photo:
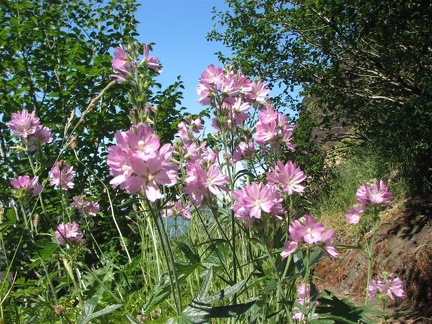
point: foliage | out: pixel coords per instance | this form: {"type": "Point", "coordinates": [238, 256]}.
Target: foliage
{"type": "Point", "coordinates": [366, 63]}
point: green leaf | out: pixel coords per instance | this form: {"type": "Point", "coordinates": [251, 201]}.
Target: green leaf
{"type": "Point", "coordinates": [344, 311]}
{"type": "Point", "coordinates": [87, 311]}
{"type": "Point", "coordinates": [159, 294]}
{"type": "Point", "coordinates": [46, 252]}
{"type": "Point", "coordinates": [205, 286]}
{"type": "Point", "coordinates": [188, 252]}
{"type": "Point", "coordinates": [200, 309]}
{"type": "Point", "coordinates": [107, 310]}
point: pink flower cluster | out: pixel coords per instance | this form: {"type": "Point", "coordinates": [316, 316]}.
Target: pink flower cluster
{"type": "Point", "coordinates": [85, 207]}
{"type": "Point", "coordinates": [231, 94]}
{"type": "Point", "coordinates": [28, 126]}
{"type": "Point", "coordinates": [68, 233]}
{"type": "Point", "coordinates": [62, 175]}
{"type": "Point", "coordinates": [139, 164]}
{"type": "Point", "coordinates": [375, 194]}
{"type": "Point", "coordinates": [124, 67]}
{"type": "Point", "coordinates": [387, 284]}
{"type": "Point", "coordinates": [257, 198]}
{"type": "Point", "coordinates": [25, 185]}
{"type": "Point", "coordinates": [307, 231]}
{"type": "Point", "coordinates": [304, 299]}
{"type": "Point", "coordinates": [203, 180]}
{"type": "Point", "coordinates": [188, 128]}
{"type": "Point", "coordinates": [273, 128]}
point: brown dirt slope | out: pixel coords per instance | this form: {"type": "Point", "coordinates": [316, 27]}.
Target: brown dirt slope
{"type": "Point", "coordinates": [404, 246]}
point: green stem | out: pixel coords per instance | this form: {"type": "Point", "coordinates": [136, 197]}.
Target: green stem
{"type": "Point", "coordinates": [280, 297]}
{"type": "Point", "coordinates": [211, 239]}
{"type": "Point", "coordinates": [50, 284]}
{"type": "Point", "coordinates": [68, 267]}
{"type": "Point", "coordinates": [370, 248]}
{"type": "Point", "coordinates": [169, 257]}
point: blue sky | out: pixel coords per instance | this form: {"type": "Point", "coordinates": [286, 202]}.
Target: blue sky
{"type": "Point", "coordinates": [179, 29]}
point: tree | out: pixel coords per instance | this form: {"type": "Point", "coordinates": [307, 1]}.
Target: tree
{"type": "Point", "coordinates": [366, 63]}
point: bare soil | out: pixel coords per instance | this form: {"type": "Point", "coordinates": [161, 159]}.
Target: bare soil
{"type": "Point", "coordinates": [404, 246]}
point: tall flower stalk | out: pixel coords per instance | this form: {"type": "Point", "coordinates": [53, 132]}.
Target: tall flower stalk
{"type": "Point", "coordinates": [375, 197]}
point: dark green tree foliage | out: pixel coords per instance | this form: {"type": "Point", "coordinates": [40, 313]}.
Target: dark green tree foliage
{"type": "Point", "coordinates": [367, 63]}
{"type": "Point", "coordinates": [55, 59]}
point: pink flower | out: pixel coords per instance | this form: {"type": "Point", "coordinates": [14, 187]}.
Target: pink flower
{"type": "Point", "coordinates": [143, 142]}
{"type": "Point", "coordinates": [212, 75]}
{"type": "Point", "coordinates": [120, 59]}
{"type": "Point", "coordinates": [243, 151]}
{"type": "Point", "coordinates": [327, 239]}
{"type": "Point", "coordinates": [238, 111]}
{"type": "Point", "coordinates": [151, 61]}
{"type": "Point", "coordinates": [306, 229]}
{"type": "Point", "coordinates": [268, 115]}
{"type": "Point", "coordinates": [215, 180]}
{"type": "Point", "coordinates": [200, 183]}
{"type": "Point", "coordinates": [84, 206]}
{"type": "Point", "coordinates": [26, 185]}
{"type": "Point", "coordinates": [379, 194]}
{"type": "Point", "coordinates": [206, 93]}
{"type": "Point", "coordinates": [68, 233]}
{"type": "Point", "coordinates": [42, 135]}
{"type": "Point", "coordinates": [313, 230]}
{"type": "Point", "coordinates": [393, 288]}
{"type": "Point", "coordinates": [177, 208]}
{"type": "Point", "coordinates": [255, 199]}
{"type": "Point", "coordinates": [139, 164]}
{"type": "Point", "coordinates": [288, 177]}
{"type": "Point", "coordinates": [188, 127]}
{"type": "Point", "coordinates": [118, 159]}
{"type": "Point", "coordinates": [121, 65]}
{"type": "Point", "coordinates": [148, 174]}
{"type": "Point", "coordinates": [24, 124]}
{"type": "Point", "coordinates": [259, 92]}
{"type": "Point", "coordinates": [354, 214]}
{"type": "Point", "coordinates": [273, 128]}
{"type": "Point", "coordinates": [304, 299]}
{"type": "Point", "coordinates": [373, 288]}
{"type": "Point", "coordinates": [289, 248]}
{"type": "Point", "coordinates": [376, 194]}
{"type": "Point", "coordinates": [62, 175]}
{"type": "Point", "coordinates": [362, 194]}
{"type": "Point", "coordinates": [265, 132]}
{"type": "Point", "coordinates": [387, 284]}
